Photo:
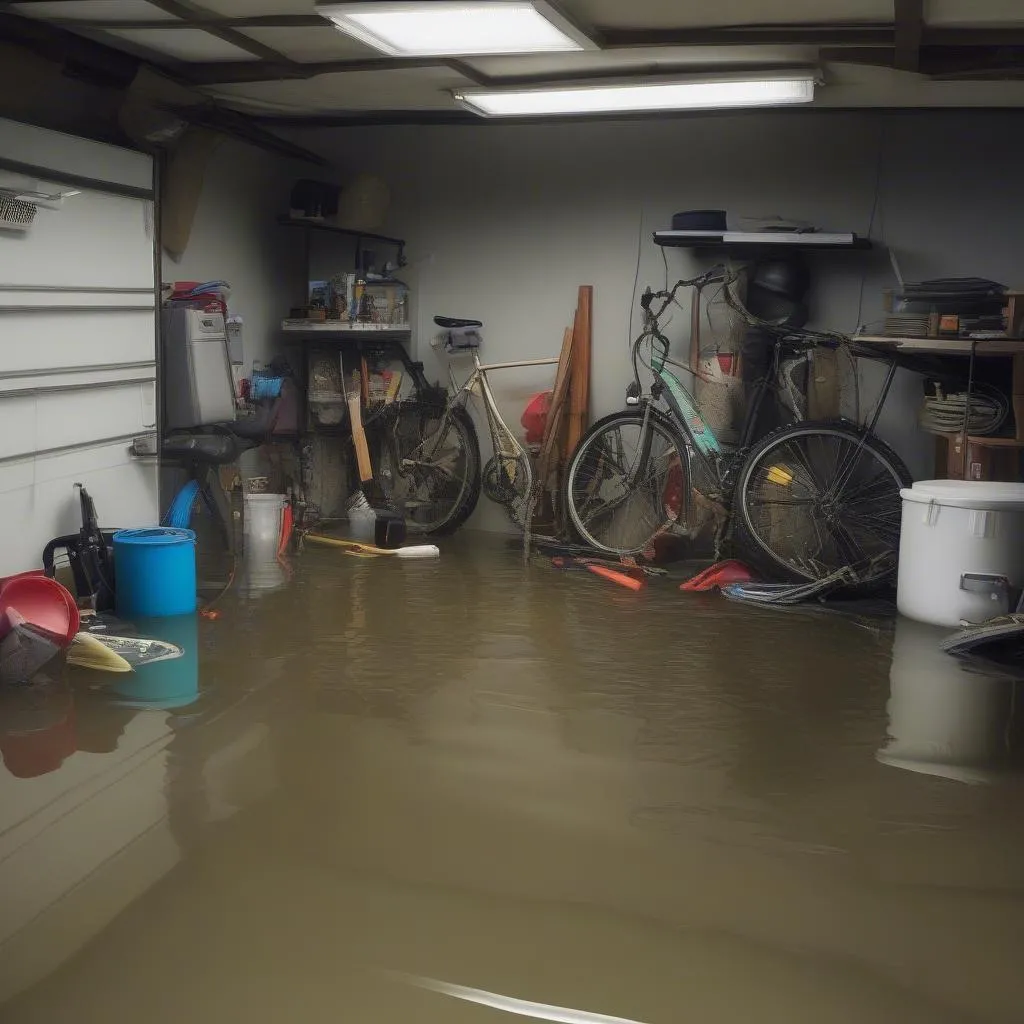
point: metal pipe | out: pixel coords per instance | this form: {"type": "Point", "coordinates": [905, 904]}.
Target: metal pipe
{"type": "Point", "coordinates": [524, 362]}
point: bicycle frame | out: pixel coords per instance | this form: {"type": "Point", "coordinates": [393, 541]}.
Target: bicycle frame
{"type": "Point", "coordinates": [478, 382]}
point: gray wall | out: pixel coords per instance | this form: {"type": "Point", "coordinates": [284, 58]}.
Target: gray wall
{"type": "Point", "coordinates": [235, 237]}
{"type": "Point", "coordinates": [504, 222]}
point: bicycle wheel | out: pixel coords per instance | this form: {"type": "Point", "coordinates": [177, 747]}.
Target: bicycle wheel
{"type": "Point", "coordinates": [610, 512]}
{"type": "Point", "coordinates": [816, 497]}
{"type": "Point", "coordinates": [428, 465]}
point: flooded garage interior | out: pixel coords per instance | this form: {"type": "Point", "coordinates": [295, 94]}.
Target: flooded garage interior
{"type": "Point", "coordinates": [505, 807]}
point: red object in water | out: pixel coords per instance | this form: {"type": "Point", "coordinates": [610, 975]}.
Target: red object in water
{"type": "Point", "coordinates": [630, 582]}
{"type": "Point", "coordinates": [42, 602]}
{"type": "Point", "coordinates": [719, 575]}
{"type": "Point", "coordinates": [535, 417]}
{"type": "Point", "coordinates": [210, 613]}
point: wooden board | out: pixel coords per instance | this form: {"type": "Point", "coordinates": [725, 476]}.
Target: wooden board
{"type": "Point", "coordinates": [579, 374]}
{"type": "Point", "coordinates": [556, 414]}
{"type": "Point", "coordinates": [823, 393]}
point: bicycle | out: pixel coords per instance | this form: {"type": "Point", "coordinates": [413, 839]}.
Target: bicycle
{"type": "Point", "coordinates": [808, 499]}
{"type": "Point", "coordinates": [428, 452]}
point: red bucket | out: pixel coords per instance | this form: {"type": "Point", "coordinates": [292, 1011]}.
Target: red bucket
{"type": "Point", "coordinates": [42, 602]}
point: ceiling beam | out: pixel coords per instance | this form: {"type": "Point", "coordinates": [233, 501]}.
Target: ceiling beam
{"type": "Point", "coordinates": [237, 72]}
{"type": "Point", "coordinates": [908, 33]}
{"type": "Point", "coordinates": [198, 17]}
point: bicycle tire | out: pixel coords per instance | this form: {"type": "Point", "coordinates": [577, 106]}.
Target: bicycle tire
{"type": "Point", "coordinates": [579, 478]}
{"type": "Point", "coordinates": [874, 517]}
{"type": "Point", "coordinates": [397, 440]}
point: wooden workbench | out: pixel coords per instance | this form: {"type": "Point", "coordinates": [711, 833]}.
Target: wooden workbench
{"type": "Point", "coordinates": [972, 458]}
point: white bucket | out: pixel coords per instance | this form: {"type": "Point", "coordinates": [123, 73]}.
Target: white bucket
{"type": "Point", "coordinates": [953, 527]}
{"type": "Point", "coordinates": [261, 531]}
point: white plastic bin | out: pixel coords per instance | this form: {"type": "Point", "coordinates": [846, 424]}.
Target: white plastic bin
{"type": "Point", "coordinates": [953, 527]}
{"type": "Point", "coordinates": [261, 530]}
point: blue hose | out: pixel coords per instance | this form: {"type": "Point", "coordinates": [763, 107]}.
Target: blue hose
{"type": "Point", "coordinates": [179, 515]}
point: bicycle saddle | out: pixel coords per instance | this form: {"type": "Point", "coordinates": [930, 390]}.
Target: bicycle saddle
{"type": "Point", "coordinates": [452, 323]}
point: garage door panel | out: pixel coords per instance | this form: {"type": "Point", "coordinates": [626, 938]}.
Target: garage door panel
{"type": "Point", "coordinates": [49, 508]}
{"type": "Point", "coordinates": [92, 240]}
{"type": "Point", "coordinates": [17, 426]}
{"type": "Point", "coordinates": [62, 417]}
{"type": "Point", "coordinates": [32, 340]}
{"type": "Point", "coordinates": [77, 345]}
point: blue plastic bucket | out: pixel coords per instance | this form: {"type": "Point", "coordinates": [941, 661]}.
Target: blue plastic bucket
{"type": "Point", "coordinates": [155, 570]}
{"type": "Point", "coordinates": [164, 684]}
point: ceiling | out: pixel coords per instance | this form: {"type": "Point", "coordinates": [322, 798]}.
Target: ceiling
{"type": "Point", "coordinates": [280, 60]}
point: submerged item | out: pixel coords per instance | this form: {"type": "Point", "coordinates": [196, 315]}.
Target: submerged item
{"type": "Point", "coordinates": [718, 575]}
{"type": "Point", "coordinates": [414, 551]}
{"type": "Point", "coordinates": [25, 650]}
{"type": "Point", "coordinates": [41, 602]}
{"type": "Point", "coordinates": [629, 582]}
{"type": "Point", "coordinates": [1002, 632]}
{"type": "Point", "coordinates": [136, 651]}
{"type": "Point", "coordinates": [89, 651]}
{"type": "Point", "coordinates": [789, 593]}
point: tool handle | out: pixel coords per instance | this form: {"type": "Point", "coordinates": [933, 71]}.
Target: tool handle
{"type": "Point", "coordinates": [359, 439]}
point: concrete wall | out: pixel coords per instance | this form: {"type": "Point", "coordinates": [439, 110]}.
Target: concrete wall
{"type": "Point", "coordinates": [504, 222]}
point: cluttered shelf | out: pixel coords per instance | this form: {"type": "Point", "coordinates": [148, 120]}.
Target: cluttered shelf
{"type": "Point", "coordinates": [345, 329]}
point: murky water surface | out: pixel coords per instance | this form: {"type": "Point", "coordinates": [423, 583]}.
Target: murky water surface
{"type": "Point", "coordinates": [468, 791]}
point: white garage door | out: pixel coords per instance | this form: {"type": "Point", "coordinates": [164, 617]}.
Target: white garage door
{"type": "Point", "coordinates": [77, 340]}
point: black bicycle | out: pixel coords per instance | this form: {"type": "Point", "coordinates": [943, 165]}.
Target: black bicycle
{"type": "Point", "coordinates": [809, 499]}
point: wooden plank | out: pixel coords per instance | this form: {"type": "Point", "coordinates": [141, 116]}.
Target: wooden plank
{"type": "Point", "coordinates": [556, 415]}
{"type": "Point", "coordinates": [579, 372]}
{"type": "Point", "coordinates": [823, 392]}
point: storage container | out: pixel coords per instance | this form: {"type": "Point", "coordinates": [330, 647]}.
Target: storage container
{"type": "Point", "coordinates": [263, 516]}
{"type": "Point", "coordinates": [156, 572]}
{"type": "Point", "coordinates": [955, 527]}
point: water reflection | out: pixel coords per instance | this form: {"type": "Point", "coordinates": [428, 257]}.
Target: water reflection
{"type": "Point", "coordinates": [545, 793]}
{"type": "Point", "coordinates": [959, 719]}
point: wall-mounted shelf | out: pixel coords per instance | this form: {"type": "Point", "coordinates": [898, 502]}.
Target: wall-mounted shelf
{"type": "Point", "coordinates": [759, 241]}
{"type": "Point", "coordinates": [344, 329]}
{"type": "Point", "coordinates": [359, 236]}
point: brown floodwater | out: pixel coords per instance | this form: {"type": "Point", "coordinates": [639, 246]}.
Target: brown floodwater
{"type": "Point", "coordinates": [473, 791]}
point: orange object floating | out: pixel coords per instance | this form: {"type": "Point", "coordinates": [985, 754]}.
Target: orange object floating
{"type": "Point", "coordinates": [719, 575]}
{"type": "Point", "coordinates": [621, 578]}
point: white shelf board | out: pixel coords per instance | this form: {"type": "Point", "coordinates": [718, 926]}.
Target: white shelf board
{"type": "Point", "coordinates": [341, 328]}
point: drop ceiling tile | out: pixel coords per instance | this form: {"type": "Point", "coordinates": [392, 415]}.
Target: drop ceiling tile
{"type": "Point", "coordinates": [311, 44]}
{"type": "Point", "coordinates": [975, 12]}
{"type": "Point", "coordinates": [258, 8]}
{"type": "Point", "coordinates": [93, 10]}
{"type": "Point", "coordinates": [421, 89]}
{"type": "Point", "coordinates": [190, 44]}
{"type": "Point", "coordinates": [673, 14]}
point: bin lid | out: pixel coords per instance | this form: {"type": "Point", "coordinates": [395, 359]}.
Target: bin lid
{"type": "Point", "coordinates": [155, 535]}
{"type": "Point", "coordinates": [985, 496]}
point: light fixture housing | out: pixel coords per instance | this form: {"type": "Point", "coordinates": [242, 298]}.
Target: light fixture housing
{"type": "Point", "coordinates": [457, 28]}
{"type": "Point", "coordinates": [706, 92]}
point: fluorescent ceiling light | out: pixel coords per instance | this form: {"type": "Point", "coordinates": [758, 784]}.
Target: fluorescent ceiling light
{"type": "Point", "coordinates": [436, 28]}
{"type": "Point", "coordinates": [692, 94]}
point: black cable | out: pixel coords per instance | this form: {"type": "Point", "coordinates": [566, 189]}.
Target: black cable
{"type": "Point", "coordinates": [874, 210]}
{"type": "Point", "coordinates": [636, 276]}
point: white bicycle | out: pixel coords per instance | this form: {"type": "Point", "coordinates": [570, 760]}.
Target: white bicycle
{"type": "Point", "coordinates": [428, 453]}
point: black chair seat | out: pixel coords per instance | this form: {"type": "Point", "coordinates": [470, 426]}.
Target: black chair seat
{"type": "Point", "coordinates": [211, 449]}
{"type": "Point", "coordinates": [453, 323]}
